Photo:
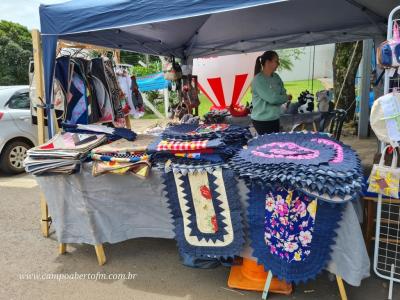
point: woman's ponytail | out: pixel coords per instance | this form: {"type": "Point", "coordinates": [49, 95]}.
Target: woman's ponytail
{"type": "Point", "coordinates": [267, 55]}
{"type": "Point", "coordinates": [257, 66]}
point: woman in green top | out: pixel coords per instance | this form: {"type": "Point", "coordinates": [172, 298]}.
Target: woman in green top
{"type": "Point", "coordinates": [268, 94]}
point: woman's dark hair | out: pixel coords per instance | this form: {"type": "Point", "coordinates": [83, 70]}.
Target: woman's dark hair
{"type": "Point", "coordinates": [267, 55]}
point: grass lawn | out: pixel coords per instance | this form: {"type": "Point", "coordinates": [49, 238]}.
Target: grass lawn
{"type": "Point", "coordinates": [292, 87]}
{"type": "Point", "coordinates": [296, 87]}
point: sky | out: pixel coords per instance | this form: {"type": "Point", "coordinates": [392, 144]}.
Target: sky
{"type": "Point", "coordinates": [25, 12]}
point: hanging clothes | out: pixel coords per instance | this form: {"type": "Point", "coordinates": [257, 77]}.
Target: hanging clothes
{"type": "Point", "coordinates": [85, 72]}
{"type": "Point", "coordinates": [103, 100]}
{"type": "Point", "coordinates": [103, 70]}
{"type": "Point", "coordinates": [115, 91]}
{"type": "Point", "coordinates": [136, 96]}
{"type": "Point", "coordinates": [125, 82]}
{"type": "Point", "coordinates": [77, 107]}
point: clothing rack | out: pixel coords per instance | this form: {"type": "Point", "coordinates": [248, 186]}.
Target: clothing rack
{"type": "Point", "coordinates": [39, 79]}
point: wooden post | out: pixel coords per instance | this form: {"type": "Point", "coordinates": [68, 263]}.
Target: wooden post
{"type": "Point", "coordinates": [342, 290]}
{"type": "Point", "coordinates": [62, 248]}
{"type": "Point", "coordinates": [38, 75]}
{"type": "Point", "coordinates": [44, 214]}
{"type": "Point", "coordinates": [101, 257]}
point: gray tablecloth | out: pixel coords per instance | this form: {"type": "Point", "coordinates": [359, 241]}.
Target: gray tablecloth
{"type": "Point", "coordinates": [112, 208]}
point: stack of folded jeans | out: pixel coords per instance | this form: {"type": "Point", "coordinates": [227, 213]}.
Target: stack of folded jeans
{"type": "Point", "coordinates": [112, 134]}
{"type": "Point", "coordinates": [191, 144]}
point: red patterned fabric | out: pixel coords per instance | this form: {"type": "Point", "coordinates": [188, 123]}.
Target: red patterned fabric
{"type": "Point", "coordinates": [181, 145]}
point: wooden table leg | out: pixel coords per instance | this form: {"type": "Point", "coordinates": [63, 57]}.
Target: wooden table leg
{"type": "Point", "coordinates": [128, 122]}
{"type": "Point", "coordinates": [45, 220]}
{"type": "Point", "coordinates": [370, 226]}
{"type": "Point", "coordinates": [62, 248]}
{"type": "Point", "coordinates": [101, 257]}
{"type": "Point", "coordinates": [315, 126]}
{"type": "Point", "coordinates": [342, 290]}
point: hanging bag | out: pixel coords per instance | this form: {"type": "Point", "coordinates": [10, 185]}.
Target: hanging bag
{"type": "Point", "coordinates": [385, 118]}
{"type": "Point", "coordinates": [172, 70]}
{"type": "Point", "coordinates": [385, 179]}
{"type": "Point", "coordinates": [388, 53]}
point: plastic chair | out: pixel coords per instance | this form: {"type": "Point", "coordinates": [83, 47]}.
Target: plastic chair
{"type": "Point", "coordinates": [336, 123]}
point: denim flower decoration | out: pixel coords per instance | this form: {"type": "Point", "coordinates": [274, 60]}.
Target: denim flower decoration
{"type": "Point", "coordinates": [291, 233]}
{"type": "Point", "coordinates": [289, 224]}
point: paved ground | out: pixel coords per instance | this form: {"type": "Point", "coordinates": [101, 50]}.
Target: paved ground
{"type": "Point", "coordinates": [155, 261]}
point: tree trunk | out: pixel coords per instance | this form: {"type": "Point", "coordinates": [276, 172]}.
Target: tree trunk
{"type": "Point", "coordinates": [341, 62]}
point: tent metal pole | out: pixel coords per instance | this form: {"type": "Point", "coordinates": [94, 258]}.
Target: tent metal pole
{"type": "Point", "coordinates": [313, 70]}
{"type": "Point", "coordinates": [166, 102]}
{"type": "Point", "coordinates": [365, 89]}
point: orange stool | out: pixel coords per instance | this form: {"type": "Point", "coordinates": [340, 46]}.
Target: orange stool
{"type": "Point", "coordinates": [251, 276]}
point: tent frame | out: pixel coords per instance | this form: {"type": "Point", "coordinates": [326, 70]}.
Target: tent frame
{"type": "Point", "coordinates": [39, 79]}
{"type": "Point", "coordinates": [45, 219]}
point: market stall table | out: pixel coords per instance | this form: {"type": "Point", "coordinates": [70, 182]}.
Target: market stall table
{"type": "Point", "coordinates": [112, 209]}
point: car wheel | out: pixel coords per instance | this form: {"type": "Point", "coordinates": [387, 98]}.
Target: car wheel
{"type": "Point", "coordinates": [12, 157]}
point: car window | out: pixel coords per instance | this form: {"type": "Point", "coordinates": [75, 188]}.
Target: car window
{"type": "Point", "coordinates": [19, 101]}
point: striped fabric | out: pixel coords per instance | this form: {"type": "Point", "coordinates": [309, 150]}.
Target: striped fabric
{"type": "Point", "coordinates": [181, 145]}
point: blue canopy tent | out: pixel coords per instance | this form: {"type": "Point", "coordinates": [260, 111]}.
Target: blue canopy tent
{"type": "Point", "coordinates": [188, 29]}
{"type": "Point", "coordinates": [152, 82]}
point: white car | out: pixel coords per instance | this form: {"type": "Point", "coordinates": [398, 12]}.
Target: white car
{"type": "Point", "coordinates": [17, 133]}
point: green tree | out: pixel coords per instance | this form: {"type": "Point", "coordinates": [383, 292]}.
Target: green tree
{"type": "Point", "coordinates": [15, 52]}
{"type": "Point", "coordinates": [343, 63]}
{"type": "Point", "coordinates": [151, 68]}
{"type": "Point", "coordinates": [287, 56]}
{"type": "Point", "coordinates": [133, 58]}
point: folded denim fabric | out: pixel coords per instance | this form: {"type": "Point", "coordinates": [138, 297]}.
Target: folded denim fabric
{"type": "Point", "coordinates": [112, 133]}
{"type": "Point", "coordinates": [140, 144]}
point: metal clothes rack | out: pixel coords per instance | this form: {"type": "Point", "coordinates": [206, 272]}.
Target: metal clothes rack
{"type": "Point", "coordinates": [387, 239]}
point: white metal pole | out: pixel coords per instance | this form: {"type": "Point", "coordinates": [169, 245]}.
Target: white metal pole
{"type": "Point", "coordinates": [166, 102]}
{"type": "Point", "coordinates": [365, 89]}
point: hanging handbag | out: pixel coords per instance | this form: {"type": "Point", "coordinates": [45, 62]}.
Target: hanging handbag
{"type": "Point", "coordinates": [172, 70]}
{"type": "Point", "coordinates": [388, 53]}
{"type": "Point", "coordinates": [181, 110]}
{"type": "Point", "coordinates": [385, 179]}
{"type": "Point", "coordinates": [385, 118]}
